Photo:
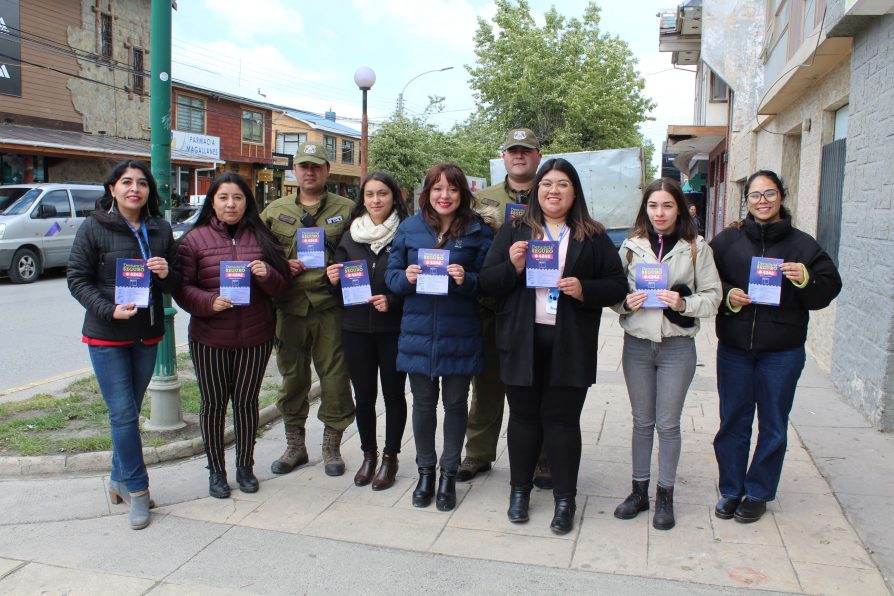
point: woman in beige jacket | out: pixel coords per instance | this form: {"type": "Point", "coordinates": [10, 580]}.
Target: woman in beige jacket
{"type": "Point", "coordinates": [659, 336]}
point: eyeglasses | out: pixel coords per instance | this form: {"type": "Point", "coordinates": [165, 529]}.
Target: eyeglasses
{"type": "Point", "coordinates": [562, 185]}
{"type": "Point", "coordinates": [771, 195]}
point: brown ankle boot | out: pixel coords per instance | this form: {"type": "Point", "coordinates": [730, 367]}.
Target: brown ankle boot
{"type": "Point", "coordinates": [367, 468]}
{"type": "Point", "coordinates": [295, 454]}
{"type": "Point", "coordinates": [387, 471]}
{"type": "Point", "coordinates": [334, 465]}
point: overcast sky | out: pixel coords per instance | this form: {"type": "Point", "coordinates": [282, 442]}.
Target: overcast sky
{"type": "Point", "coordinates": [304, 54]}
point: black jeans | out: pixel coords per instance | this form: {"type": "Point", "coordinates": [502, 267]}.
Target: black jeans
{"type": "Point", "coordinates": [455, 398]}
{"type": "Point", "coordinates": [543, 413]}
{"type": "Point", "coordinates": [368, 354]}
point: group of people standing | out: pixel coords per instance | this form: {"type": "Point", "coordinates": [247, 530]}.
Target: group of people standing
{"type": "Point", "coordinates": [488, 331]}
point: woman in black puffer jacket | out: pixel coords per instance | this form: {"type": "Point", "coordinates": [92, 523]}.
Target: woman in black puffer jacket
{"type": "Point", "coordinates": [760, 352]}
{"type": "Point", "coordinates": [370, 331]}
{"type": "Point", "coordinates": [122, 338]}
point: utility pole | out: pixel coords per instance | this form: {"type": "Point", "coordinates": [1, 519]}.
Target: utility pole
{"type": "Point", "coordinates": [164, 389]}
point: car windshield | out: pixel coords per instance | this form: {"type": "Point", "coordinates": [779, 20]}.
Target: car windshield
{"type": "Point", "coordinates": [9, 195]}
{"type": "Point", "coordinates": [24, 203]}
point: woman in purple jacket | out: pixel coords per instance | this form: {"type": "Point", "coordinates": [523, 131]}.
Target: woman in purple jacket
{"type": "Point", "coordinates": [230, 343]}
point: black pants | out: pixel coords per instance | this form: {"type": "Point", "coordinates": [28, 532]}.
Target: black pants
{"type": "Point", "coordinates": [367, 354]}
{"type": "Point", "coordinates": [547, 414]}
{"type": "Point", "coordinates": [224, 374]}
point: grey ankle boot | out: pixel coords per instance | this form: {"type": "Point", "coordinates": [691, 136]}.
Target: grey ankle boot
{"type": "Point", "coordinates": [139, 510]}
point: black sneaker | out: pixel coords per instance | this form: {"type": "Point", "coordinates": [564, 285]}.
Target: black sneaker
{"type": "Point", "coordinates": [471, 467]}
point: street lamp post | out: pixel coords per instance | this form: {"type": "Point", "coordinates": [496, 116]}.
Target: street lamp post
{"type": "Point", "coordinates": [365, 78]}
{"type": "Point", "coordinates": [400, 97]}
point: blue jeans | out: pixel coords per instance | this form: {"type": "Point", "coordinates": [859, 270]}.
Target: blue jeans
{"type": "Point", "coordinates": [745, 381]}
{"type": "Point", "coordinates": [123, 373]}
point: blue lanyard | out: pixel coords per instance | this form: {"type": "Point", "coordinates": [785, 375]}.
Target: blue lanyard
{"type": "Point", "coordinates": [144, 250]}
{"type": "Point", "coordinates": [562, 232]}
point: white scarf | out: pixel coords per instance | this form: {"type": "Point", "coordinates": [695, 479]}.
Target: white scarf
{"type": "Point", "coordinates": [364, 231]}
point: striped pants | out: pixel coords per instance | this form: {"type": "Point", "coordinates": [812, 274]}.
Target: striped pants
{"type": "Point", "coordinates": [224, 374]}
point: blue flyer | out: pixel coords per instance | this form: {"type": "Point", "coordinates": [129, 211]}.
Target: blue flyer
{"type": "Point", "coordinates": [355, 288]}
{"type": "Point", "coordinates": [514, 211]}
{"type": "Point", "coordinates": [312, 247]}
{"type": "Point", "coordinates": [542, 264]}
{"type": "Point", "coordinates": [765, 280]}
{"type": "Point", "coordinates": [132, 281]}
{"type": "Point", "coordinates": [650, 278]}
{"type": "Point", "coordinates": [235, 281]}
{"type": "Point", "coordinates": [434, 278]}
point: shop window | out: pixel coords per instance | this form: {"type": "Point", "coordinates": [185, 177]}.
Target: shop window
{"type": "Point", "coordinates": [347, 151]}
{"type": "Point", "coordinates": [330, 146]}
{"type": "Point", "coordinates": [190, 114]}
{"type": "Point", "coordinates": [252, 127]}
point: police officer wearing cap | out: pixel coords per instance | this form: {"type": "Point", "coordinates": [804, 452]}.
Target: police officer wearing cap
{"type": "Point", "coordinates": [521, 157]}
{"type": "Point", "coordinates": [309, 317]}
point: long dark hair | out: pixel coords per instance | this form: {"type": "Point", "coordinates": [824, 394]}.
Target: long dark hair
{"type": "Point", "coordinates": [251, 219]}
{"type": "Point", "coordinates": [684, 227]}
{"type": "Point", "coordinates": [776, 180]}
{"type": "Point", "coordinates": [398, 203]}
{"type": "Point", "coordinates": [464, 214]}
{"type": "Point", "coordinates": [107, 201]}
{"type": "Point", "coordinates": [580, 223]}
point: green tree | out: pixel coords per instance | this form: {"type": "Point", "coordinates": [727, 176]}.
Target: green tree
{"type": "Point", "coordinates": [576, 87]}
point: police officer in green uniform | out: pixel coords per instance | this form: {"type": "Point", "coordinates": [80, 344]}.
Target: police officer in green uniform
{"type": "Point", "coordinates": [308, 319]}
{"type": "Point", "coordinates": [521, 157]}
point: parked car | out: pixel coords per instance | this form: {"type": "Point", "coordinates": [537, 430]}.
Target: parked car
{"type": "Point", "coordinates": [182, 225]}
{"type": "Point", "coordinates": [38, 229]}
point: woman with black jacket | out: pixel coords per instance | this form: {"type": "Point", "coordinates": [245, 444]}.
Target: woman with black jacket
{"type": "Point", "coordinates": [547, 338]}
{"type": "Point", "coordinates": [122, 339]}
{"type": "Point", "coordinates": [760, 352]}
{"type": "Point", "coordinates": [370, 331]}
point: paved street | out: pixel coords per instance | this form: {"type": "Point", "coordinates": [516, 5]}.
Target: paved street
{"type": "Point", "coordinates": [41, 332]}
{"type": "Point", "coordinates": [308, 533]}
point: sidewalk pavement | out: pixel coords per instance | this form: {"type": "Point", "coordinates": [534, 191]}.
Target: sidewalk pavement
{"type": "Point", "coordinates": [829, 532]}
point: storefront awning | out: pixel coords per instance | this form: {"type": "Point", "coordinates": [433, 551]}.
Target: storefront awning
{"type": "Point", "coordinates": [15, 138]}
{"type": "Point", "coordinates": [688, 142]}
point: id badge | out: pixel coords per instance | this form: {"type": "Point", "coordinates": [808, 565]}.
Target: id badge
{"type": "Point", "coordinates": [552, 301]}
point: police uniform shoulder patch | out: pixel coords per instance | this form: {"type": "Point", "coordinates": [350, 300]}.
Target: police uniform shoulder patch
{"type": "Point", "coordinates": [490, 202]}
{"type": "Point", "coordinates": [287, 218]}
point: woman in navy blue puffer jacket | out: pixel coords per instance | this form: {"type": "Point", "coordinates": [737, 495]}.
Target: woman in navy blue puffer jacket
{"type": "Point", "coordinates": [440, 335]}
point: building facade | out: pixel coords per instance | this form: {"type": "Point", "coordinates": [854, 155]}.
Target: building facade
{"type": "Point", "coordinates": [813, 91]}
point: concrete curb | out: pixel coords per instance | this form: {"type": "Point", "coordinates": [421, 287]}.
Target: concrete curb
{"type": "Point", "coordinates": [101, 461]}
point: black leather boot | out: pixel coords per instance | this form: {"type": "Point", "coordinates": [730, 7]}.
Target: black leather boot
{"type": "Point", "coordinates": [563, 518]}
{"type": "Point", "coordinates": [217, 485]}
{"type": "Point", "coordinates": [246, 479]}
{"type": "Point", "coordinates": [664, 509]}
{"type": "Point", "coordinates": [425, 488]}
{"type": "Point", "coordinates": [446, 499]}
{"type": "Point", "coordinates": [637, 501]}
{"type": "Point", "coordinates": [519, 501]}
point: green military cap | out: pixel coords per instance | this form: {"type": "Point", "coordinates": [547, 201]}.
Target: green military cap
{"type": "Point", "coordinates": [312, 153]}
{"type": "Point", "coordinates": [521, 137]}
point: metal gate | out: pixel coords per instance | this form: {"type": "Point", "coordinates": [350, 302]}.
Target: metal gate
{"type": "Point", "coordinates": [828, 231]}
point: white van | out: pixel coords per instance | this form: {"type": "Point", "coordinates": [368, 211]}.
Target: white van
{"type": "Point", "coordinates": [38, 228]}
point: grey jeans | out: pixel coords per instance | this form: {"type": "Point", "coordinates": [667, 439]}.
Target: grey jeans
{"type": "Point", "coordinates": [658, 376]}
{"type": "Point", "coordinates": [455, 397]}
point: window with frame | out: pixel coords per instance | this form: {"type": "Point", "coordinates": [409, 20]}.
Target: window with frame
{"type": "Point", "coordinates": [190, 114]}
{"type": "Point", "coordinates": [85, 201]}
{"type": "Point", "coordinates": [347, 151]}
{"type": "Point", "coordinates": [57, 199]}
{"type": "Point", "coordinates": [719, 90]}
{"type": "Point", "coordinates": [252, 127]}
{"type": "Point", "coordinates": [105, 35]}
{"type": "Point", "coordinates": [287, 142]}
{"type": "Point", "coordinates": [330, 146]}
{"type": "Point", "coordinates": [139, 77]}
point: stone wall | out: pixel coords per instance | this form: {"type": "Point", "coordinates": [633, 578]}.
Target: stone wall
{"type": "Point", "coordinates": [863, 354]}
